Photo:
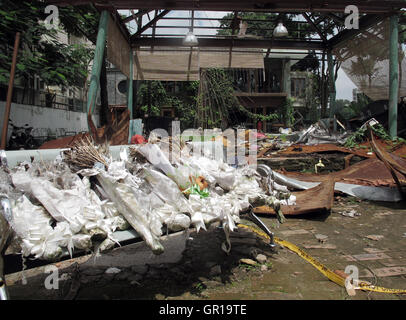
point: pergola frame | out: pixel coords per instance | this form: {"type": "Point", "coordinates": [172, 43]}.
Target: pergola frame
{"type": "Point", "coordinates": [321, 15]}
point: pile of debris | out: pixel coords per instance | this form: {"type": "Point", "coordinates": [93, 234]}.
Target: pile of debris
{"type": "Point", "coordinates": [378, 174]}
{"type": "Point", "coordinates": [81, 198]}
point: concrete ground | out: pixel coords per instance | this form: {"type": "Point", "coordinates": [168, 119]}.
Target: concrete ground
{"type": "Point", "coordinates": [373, 241]}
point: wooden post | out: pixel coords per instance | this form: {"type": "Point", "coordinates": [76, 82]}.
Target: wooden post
{"type": "Point", "coordinates": [393, 76]}
{"type": "Point", "coordinates": [97, 62]}
{"type": "Point", "coordinates": [9, 93]}
{"type": "Point", "coordinates": [130, 92]}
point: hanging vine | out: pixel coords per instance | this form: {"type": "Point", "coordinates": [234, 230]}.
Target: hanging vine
{"type": "Point", "coordinates": [216, 101]}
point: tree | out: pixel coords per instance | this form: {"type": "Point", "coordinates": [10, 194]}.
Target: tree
{"type": "Point", "coordinates": [41, 53]}
{"type": "Point", "coordinates": [152, 96]}
{"type": "Point", "coordinates": [264, 28]}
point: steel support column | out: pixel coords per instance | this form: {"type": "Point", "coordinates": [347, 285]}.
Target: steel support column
{"type": "Point", "coordinates": [393, 76]}
{"type": "Point", "coordinates": [130, 93]}
{"type": "Point", "coordinates": [97, 62]}
{"type": "Point", "coordinates": [332, 84]}
{"type": "Point", "coordinates": [332, 88]}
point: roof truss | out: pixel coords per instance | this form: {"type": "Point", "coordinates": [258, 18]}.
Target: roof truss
{"type": "Point", "coordinates": [323, 17]}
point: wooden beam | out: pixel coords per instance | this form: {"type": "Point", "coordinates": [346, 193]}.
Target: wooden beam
{"type": "Point", "coordinates": [236, 43]}
{"type": "Point", "coordinates": [149, 24]}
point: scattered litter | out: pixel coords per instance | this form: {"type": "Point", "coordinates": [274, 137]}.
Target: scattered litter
{"type": "Point", "coordinates": [261, 258]}
{"type": "Point", "coordinates": [318, 165]}
{"type": "Point", "coordinates": [112, 270]}
{"type": "Point", "coordinates": [351, 213]}
{"type": "Point", "coordinates": [321, 237]}
{"type": "Point", "coordinates": [248, 261]}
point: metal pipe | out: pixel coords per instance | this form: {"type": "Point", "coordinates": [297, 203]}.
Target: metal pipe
{"type": "Point", "coordinates": [264, 228]}
{"type": "Point", "coordinates": [9, 93]}
{"type": "Point", "coordinates": [393, 76]}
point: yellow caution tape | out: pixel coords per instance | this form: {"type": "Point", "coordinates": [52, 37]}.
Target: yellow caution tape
{"type": "Point", "coordinates": [319, 266]}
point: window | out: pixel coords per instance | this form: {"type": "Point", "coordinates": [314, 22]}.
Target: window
{"type": "Point", "coordinates": [297, 87]}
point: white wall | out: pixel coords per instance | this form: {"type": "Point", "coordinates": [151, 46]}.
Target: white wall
{"type": "Point", "coordinates": [42, 119]}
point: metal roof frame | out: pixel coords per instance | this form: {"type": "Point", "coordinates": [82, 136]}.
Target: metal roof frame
{"type": "Point", "coordinates": [321, 15]}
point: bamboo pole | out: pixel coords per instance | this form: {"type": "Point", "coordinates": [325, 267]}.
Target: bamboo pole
{"type": "Point", "coordinates": [10, 93]}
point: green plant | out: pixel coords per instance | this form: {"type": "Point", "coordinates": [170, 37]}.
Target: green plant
{"type": "Point", "coordinates": [359, 136]}
{"type": "Point", "coordinates": [199, 287]}
{"type": "Point", "coordinates": [152, 97]}
{"type": "Point", "coordinates": [216, 102]}
{"type": "Point", "coordinates": [41, 52]}
{"type": "Point", "coordinates": [287, 112]}
{"type": "Point", "coordinates": [248, 267]}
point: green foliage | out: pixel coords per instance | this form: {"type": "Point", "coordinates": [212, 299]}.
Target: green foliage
{"type": "Point", "coordinates": [195, 189]}
{"type": "Point", "coordinates": [352, 109]}
{"type": "Point", "coordinates": [360, 135]}
{"type": "Point", "coordinates": [40, 51]}
{"type": "Point", "coordinates": [155, 96]}
{"type": "Point", "coordinates": [312, 96]}
{"type": "Point", "coordinates": [185, 108]}
{"type": "Point", "coordinates": [216, 101]}
{"type": "Point", "coordinates": [265, 27]}
{"type": "Point", "coordinates": [288, 111]}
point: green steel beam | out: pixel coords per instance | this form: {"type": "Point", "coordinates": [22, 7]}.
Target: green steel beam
{"type": "Point", "coordinates": [97, 62]}
{"type": "Point", "coordinates": [393, 76]}
{"type": "Point", "coordinates": [130, 92]}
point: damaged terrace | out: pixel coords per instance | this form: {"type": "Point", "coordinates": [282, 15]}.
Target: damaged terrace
{"type": "Point", "coordinates": [273, 166]}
